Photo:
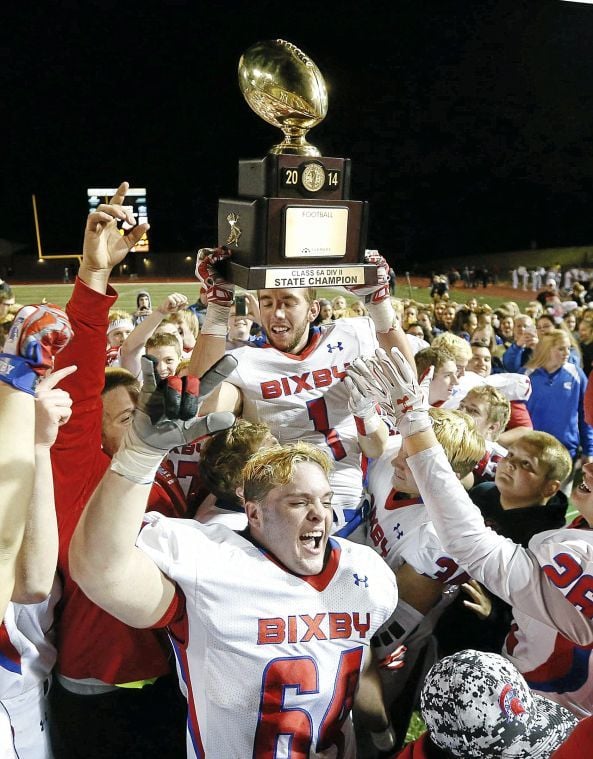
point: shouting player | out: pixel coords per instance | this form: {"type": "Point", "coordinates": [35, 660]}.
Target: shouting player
{"type": "Point", "coordinates": [294, 382]}
{"type": "Point", "coordinates": [284, 665]}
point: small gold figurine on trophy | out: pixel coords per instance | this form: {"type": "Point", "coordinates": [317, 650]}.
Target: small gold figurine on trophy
{"type": "Point", "coordinates": [283, 86]}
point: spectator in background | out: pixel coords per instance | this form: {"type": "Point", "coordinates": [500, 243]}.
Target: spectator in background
{"type": "Point", "coordinates": [425, 320]}
{"type": "Point", "coordinates": [439, 309]}
{"type": "Point", "coordinates": [549, 294]}
{"type": "Point", "coordinates": [358, 308]}
{"type": "Point", "coordinates": [534, 309]}
{"type": "Point", "coordinates": [521, 349]}
{"type": "Point", "coordinates": [410, 314]}
{"type": "Point", "coordinates": [339, 306]}
{"type": "Point", "coordinates": [556, 404]}
{"type": "Point", "coordinates": [585, 332]}
{"type": "Point", "coordinates": [8, 307]}
{"type": "Point", "coordinates": [143, 307]}
{"type": "Point", "coordinates": [505, 329]}
{"type": "Point", "coordinates": [464, 324]}
{"type": "Point", "coordinates": [448, 317]}
{"type": "Point", "coordinates": [570, 322]}
{"type": "Point", "coordinates": [419, 331]}
{"type": "Point", "coordinates": [326, 313]}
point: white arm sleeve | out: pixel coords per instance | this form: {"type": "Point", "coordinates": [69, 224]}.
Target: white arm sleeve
{"type": "Point", "coordinates": [505, 568]}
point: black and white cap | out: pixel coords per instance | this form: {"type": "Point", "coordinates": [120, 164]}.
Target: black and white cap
{"type": "Point", "coordinates": [477, 705]}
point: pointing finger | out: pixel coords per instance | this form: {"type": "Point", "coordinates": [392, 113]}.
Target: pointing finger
{"type": "Point", "coordinates": [120, 193]}
{"type": "Point", "coordinates": [51, 380]}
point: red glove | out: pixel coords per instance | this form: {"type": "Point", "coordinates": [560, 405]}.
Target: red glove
{"type": "Point", "coordinates": [380, 291]}
{"type": "Point", "coordinates": [218, 290]}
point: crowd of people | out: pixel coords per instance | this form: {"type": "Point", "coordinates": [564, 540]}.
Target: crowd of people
{"type": "Point", "coordinates": [275, 525]}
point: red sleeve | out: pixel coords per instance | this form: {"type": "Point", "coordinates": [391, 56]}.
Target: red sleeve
{"type": "Point", "coordinates": [175, 615]}
{"type": "Point", "coordinates": [519, 416]}
{"type": "Point", "coordinates": [422, 748]}
{"type": "Point", "coordinates": [78, 460]}
{"type": "Point", "coordinates": [579, 743]}
{"type": "Point", "coordinates": [588, 401]}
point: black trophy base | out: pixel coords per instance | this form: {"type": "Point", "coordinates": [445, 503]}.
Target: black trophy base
{"type": "Point", "coordinates": [279, 277]}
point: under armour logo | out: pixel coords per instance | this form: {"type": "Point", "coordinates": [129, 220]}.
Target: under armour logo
{"type": "Point", "coordinates": [399, 533]}
{"type": "Point", "coordinates": [338, 347]}
{"type": "Point", "coordinates": [362, 582]}
{"type": "Point", "coordinates": [404, 403]}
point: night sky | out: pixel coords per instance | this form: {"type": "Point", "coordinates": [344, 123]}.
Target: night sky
{"type": "Point", "coordinates": [469, 122]}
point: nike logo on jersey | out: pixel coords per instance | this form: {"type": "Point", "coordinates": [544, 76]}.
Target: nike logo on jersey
{"type": "Point", "coordinates": [296, 383]}
{"type": "Point", "coordinates": [304, 628]}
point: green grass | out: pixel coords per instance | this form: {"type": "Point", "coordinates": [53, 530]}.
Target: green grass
{"type": "Point", "coordinates": [416, 727]}
{"type": "Point", "coordinates": [59, 294]}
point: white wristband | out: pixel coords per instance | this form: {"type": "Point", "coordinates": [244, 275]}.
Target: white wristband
{"type": "Point", "coordinates": [216, 320]}
{"type": "Point", "coordinates": [382, 314]}
{"type": "Point", "coordinates": [413, 422]}
{"type": "Point", "coordinates": [135, 460]}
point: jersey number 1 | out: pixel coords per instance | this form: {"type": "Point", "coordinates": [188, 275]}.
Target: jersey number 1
{"type": "Point", "coordinates": [275, 719]}
{"type": "Point", "coordinates": [317, 411]}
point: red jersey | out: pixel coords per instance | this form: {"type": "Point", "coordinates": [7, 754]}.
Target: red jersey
{"type": "Point", "coordinates": [92, 643]}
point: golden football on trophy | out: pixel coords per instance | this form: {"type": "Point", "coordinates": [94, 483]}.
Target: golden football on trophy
{"type": "Point", "coordinates": [283, 86]}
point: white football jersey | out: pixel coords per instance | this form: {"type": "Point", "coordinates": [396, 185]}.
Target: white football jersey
{"type": "Point", "coordinates": [270, 660]}
{"type": "Point", "coordinates": [552, 665]}
{"type": "Point", "coordinates": [27, 654]}
{"type": "Point", "coordinates": [184, 462]}
{"type": "Point", "coordinates": [304, 398]}
{"type": "Point", "coordinates": [551, 580]}
{"type": "Point", "coordinates": [485, 469]}
{"type": "Point", "coordinates": [400, 529]}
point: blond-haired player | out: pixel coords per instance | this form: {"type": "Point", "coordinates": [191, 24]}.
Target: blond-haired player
{"type": "Point", "coordinates": [296, 647]}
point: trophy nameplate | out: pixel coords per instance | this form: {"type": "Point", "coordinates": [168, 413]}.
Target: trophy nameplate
{"type": "Point", "coordinates": [294, 221]}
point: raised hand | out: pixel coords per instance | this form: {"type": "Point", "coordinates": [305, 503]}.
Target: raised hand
{"type": "Point", "coordinates": [166, 417]}
{"type": "Point", "coordinates": [395, 387]}
{"type": "Point", "coordinates": [104, 246]}
{"type": "Point", "coordinates": [36, 336]}
{"type": "Point", "coordinates": [380, 291]}
{"type": "Point", "coordinates": [53, 407]}
{"type": "Point", "coordinates": [218, 290]}
{"type": "Point", "coordinates": [173, 303]}
{"type": "Point", "coordinates": [480, 602]}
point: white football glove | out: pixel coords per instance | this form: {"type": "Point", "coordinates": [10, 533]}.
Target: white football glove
{"type": "Point", "coordinates": [362, 407]}
{"type": "Point", "coordinates": [393, 384]}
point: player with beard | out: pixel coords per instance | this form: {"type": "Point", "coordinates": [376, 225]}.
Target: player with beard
{"type": "Point", "coordinates": [293, 383]}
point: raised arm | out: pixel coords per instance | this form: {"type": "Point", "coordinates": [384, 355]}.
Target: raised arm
{"type": "Point", "coordinates": [17, 426]}
{"type": "Point", "coordinates": [378, 302]}
{"type": "Point", "coordinates": [104, 247]}
{"type": "Point", "coordinates": [104, 560]}
{"type": "Point", "coordinates": [220, 294]}
{"type": "Point", "coordinates": [133, 346]}
{"type": "Point", "coordinates": [505, 568]}
{"type": "Point", "coordinates": [38, 555]}
{"type": "Point", "coordinates": [37, 334]}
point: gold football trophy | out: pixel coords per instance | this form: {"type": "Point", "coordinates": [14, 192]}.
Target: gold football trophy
{"type": "Point", "coordinates": [294, 224]}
